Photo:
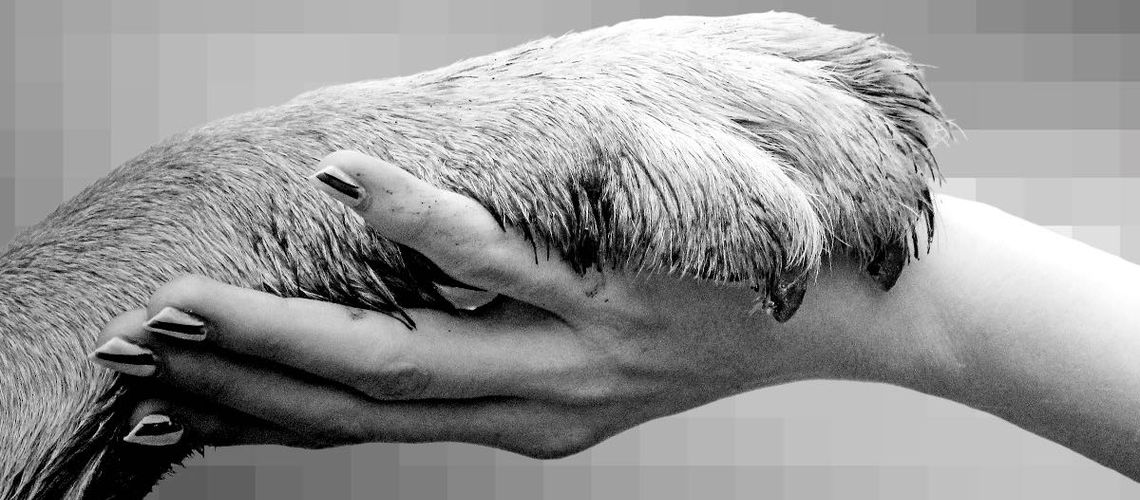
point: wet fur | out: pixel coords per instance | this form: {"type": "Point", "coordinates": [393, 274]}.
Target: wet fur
{"type": "Point", "coordinates": [738, 149]}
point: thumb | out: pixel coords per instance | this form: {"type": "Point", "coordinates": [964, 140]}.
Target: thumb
{"type": "Point", "coordinates": [457, 233]}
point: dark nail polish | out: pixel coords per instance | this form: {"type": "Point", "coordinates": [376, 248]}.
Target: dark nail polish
{"type": "Point", "coordinates": [155, 430]}
{"type": "Point", "coordinates": [178, 324]}
{"type": "Point", "coordinates": [339, 181]}
{"type": "Point", "coordinates": [124, 357]}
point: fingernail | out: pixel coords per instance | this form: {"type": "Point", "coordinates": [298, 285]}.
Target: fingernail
{"type": "Point", "coordinates": [124, 357]}
{"type": "Point", "coordinates": [339, 185]}
{"type": "Point", "coordinates": [466, 299]}
{"type": "Point", "coordinates": [180, 325]}
{"type": "Point", "coordinates": [155, 430]}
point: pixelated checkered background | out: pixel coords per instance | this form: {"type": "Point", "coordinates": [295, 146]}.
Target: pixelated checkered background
{"type": "Point", "coordinates": [1046, 91]}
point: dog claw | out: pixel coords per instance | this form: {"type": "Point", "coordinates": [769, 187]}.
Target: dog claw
{"type": "Point", "coordinates": [787, 302]}
{"type": "Point", "coordinates": [784, 300]}
{"type": "Point", "coordinates": [887, 264]}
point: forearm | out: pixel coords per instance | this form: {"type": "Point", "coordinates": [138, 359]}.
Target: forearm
{"type": "Point", "coordinates": [1036, 328]}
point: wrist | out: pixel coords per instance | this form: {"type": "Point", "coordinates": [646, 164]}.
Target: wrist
{"type": "Point", "coordinates": [1028, 325]}
{"type": "Point", "coordinates": [902, 337]}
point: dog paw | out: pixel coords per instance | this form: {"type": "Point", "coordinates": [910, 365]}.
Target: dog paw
{"type": "Point", "coordinates": [741, 149]}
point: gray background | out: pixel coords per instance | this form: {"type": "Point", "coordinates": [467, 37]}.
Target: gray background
{"type": "Point", "coordinates": [1045, 90]}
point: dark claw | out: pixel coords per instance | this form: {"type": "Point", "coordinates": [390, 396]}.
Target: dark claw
{"type": "Point", "coordinates": [887, 264]}
{"type": "Point", "coordinates": [785, 300]}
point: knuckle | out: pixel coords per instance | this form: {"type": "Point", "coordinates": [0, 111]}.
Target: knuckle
{"type": "Point", "coordinates": [399, 380]}
{"type": "Point", "coordinates": [478, 258]}
{"type": "Point", "coordinates": [467, 269]}
{"type": "Point", "coordinates": [332, 436]}
{"type": "Point", "coordinates": [562, 433]}
{"type": "Point", "coordinates": [206, 383]}
{"type": "Point", "coordinates": [124, 324]}
{"type": "Point", "coordinates": [390, 372]}
{"type": "Point", "coordinates": [565, 441]}
{"type": "Point", "coordinates": [589, 394]}
{"type": "Point", "coordinates": [184, 290]}
{"type": "Point", "coordinates": [343, 426]}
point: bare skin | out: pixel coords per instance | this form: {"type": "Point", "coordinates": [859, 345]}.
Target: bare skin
{"type": "Point", "coordinates": [1001, 315]}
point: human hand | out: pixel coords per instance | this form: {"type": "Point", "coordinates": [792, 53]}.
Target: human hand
{"type": "Point", "coordinates": [556, 363]}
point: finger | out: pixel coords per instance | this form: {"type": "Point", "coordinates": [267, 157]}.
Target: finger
{"type": "Point", "coordinates": [320, 413]}
{"type": "Point", "coordinates": [328, 415]}
{"type": "Point", "coordinates": [161, 422]}
{"type": "Point", "coordinates": [516, 351]}
{"type": "Point", "coordinates": [151, 425]}
{"type": "Point", "coordinates": [454, 231]}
